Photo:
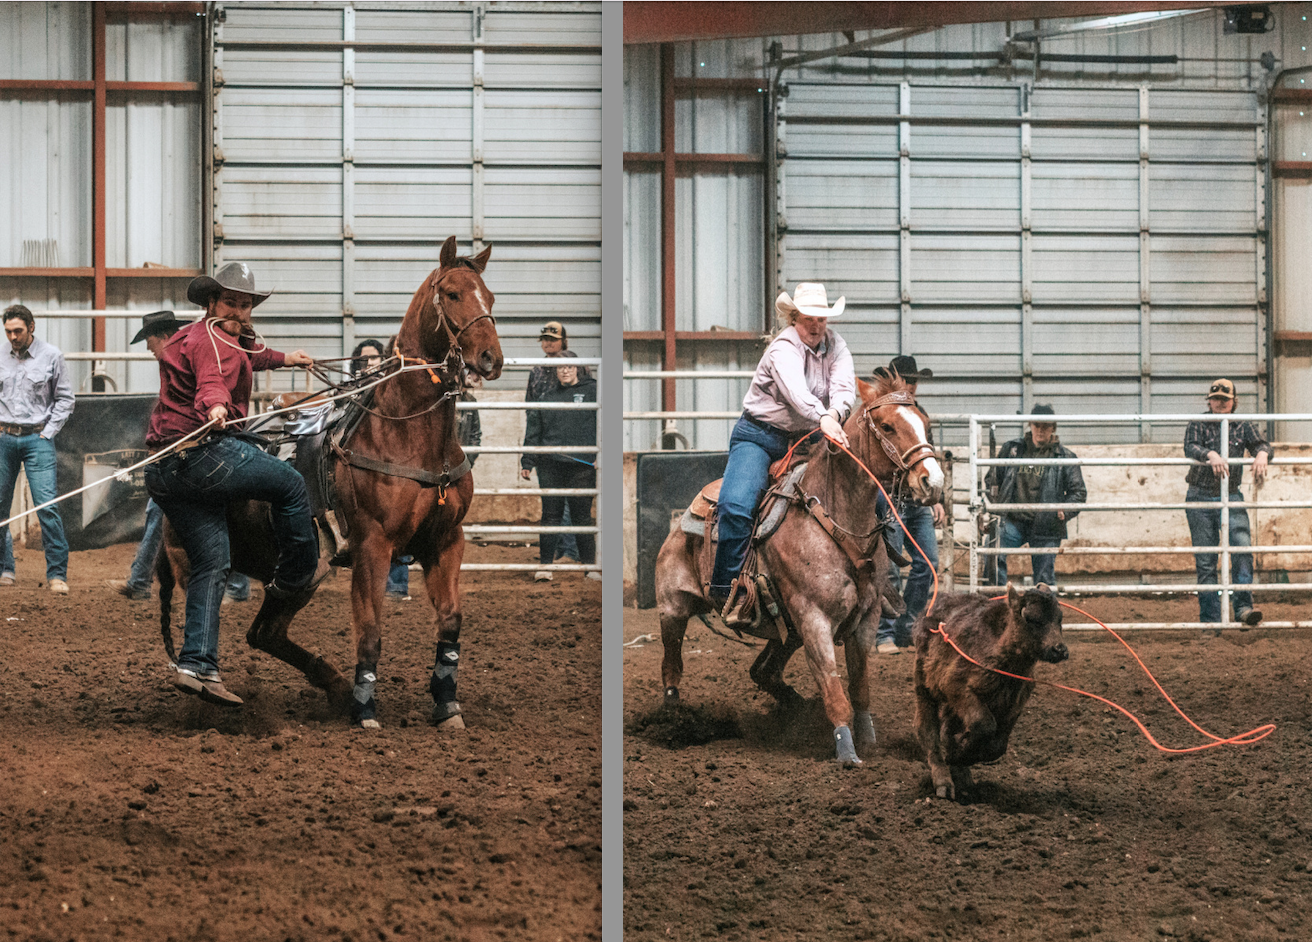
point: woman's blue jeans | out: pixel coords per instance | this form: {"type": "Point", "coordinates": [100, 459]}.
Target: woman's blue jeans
{"type": "Point", "coordinates": [1205, 530]}
{"type": "Point", "coordinates": [194, 489]}
{"type": "Point", "coordinates": [752, 450]}
{"type": "Point", "coordinates": [37, 456]}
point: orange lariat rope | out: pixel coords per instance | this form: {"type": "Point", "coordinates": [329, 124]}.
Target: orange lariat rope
{"type": "Point", "coordinates": [1242, 739]}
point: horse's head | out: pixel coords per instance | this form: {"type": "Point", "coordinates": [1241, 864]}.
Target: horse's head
{"type": "Point", "coordinates": [889, 418]}
{"type": "Point", "coordinates": [453, 309]}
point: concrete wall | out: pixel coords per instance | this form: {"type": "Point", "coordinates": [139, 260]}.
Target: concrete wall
{"type": "Point", "coordinates": [1114, 528]}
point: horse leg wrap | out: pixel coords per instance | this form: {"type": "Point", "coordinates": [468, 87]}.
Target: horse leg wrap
{"type": "Point", "coordinates": [442, 685]}
{"type": "Point", "coordinates": [847, 756]}
{"type": "Point", "coordinates": [363, 705]}
{"type": "Point", "coordinates": [864, 727]}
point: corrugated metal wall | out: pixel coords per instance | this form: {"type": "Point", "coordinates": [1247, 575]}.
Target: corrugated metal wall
{"type": "Point", "coordinates": [986, 231]}
{"type": "Point", "coordinates": [340, 171]}
{"type": "Point", "coordinates": [153, 172]}
{"type": "Point", "coordinates": [1093, 236]}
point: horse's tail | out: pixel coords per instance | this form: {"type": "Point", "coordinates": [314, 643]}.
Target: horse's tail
{"type": "Point", "coordinates": [164, 570]}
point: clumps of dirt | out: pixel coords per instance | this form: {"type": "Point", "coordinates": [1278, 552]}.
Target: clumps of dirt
{"type": "Point", "coordinates": [676, 725]}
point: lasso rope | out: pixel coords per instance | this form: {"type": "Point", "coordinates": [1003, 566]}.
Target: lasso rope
{"type": "Point", "coordinates": [1242, 739]}
{"type": "Point", "coordinates": [122, 473]}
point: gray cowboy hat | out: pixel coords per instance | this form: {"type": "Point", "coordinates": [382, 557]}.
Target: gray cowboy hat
{"type": "Point", "coordinates": [234, 276]}
{"type": "Point", "coordinates": [155, 322]}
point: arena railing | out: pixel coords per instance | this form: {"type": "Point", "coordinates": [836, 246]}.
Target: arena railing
{"type": "Point", "coordinates": [980, 503]}
{"type": "Point", "coordinates": [977, 503]}
{"type": "Point", "coordinates": [472, 530]}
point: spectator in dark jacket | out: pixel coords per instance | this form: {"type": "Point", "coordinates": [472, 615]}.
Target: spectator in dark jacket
{"type": "Point", "coordinates": [1036, 484]}
{"type": "Point", "coordinates": [564, 427]}
{"type": "Point", "coordinates": [1202, 442]}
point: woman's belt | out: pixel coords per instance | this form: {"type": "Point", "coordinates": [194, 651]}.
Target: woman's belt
{"type": "Point", "coordinates": [753, 420]}
{"type": "Point", "coordinates": [9, 428]}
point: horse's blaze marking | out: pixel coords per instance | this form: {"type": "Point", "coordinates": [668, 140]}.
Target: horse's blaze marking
{"type": "Point", "coordinates": [932, 469]}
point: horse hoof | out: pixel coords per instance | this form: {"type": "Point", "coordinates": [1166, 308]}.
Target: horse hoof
{"type": "Point", "coordinates": [671, 695]}
{"type": "Point", "coordinates": [944, 791]}
{"type": "Point", "coordinates": [447, 715]}
{"type": "Point", "coordinates": [370, 724]}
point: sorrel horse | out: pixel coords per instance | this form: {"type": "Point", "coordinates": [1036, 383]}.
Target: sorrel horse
{"type": "Point", "coordinates": [827, 596]}
{"type": "Point", "coordinates": [400, 491]}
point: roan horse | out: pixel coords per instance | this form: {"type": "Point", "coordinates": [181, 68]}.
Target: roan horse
{"type": "Point", "coordinates": [390, 476]}
{"type": "Point", "coordinates": [827, 597]}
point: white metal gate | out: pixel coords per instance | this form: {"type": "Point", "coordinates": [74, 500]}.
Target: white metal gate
{"type": "Point", "coordinates": [1053, 243]}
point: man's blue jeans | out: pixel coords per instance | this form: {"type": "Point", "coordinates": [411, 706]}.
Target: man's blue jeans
{"type": "Point", "coordinates": [1205, 530]}
{"type": "Point", "coordinates": [7, 552]}
{"type": "Point", "coordinates": [398, 576]}
{"type": "Point", "coordinates": [752, 450]}
{"type": "Point", "coordinates": [193, 489]}
{"type": "Point", "coordinates": [1016, 534]}
{"type": "Point", "coordinates": [37, 456]}
{"type": "Point", "coordinates": [920, 581]}
{"type": "Point", "coordinates": [143, 564]}
{"type": "Point", "coordinates": [142, 573]}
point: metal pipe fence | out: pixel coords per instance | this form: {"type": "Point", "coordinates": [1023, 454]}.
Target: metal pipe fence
{"type": "Point", "coordinates": [981, 504]}
{"type": "Point", "coordinates": [472, 530]}
{"type": "Point", "coordinates": [977, 503]}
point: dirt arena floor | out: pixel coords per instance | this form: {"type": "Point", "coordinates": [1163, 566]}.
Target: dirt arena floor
{"type": "Point", "coordinates": [128, 811]}
{"type": "Point", "coordinates": [739, 824]}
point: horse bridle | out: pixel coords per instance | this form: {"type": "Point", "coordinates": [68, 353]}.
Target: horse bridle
{"type": "Point", "coordinates": [453, 349]}
{"type": "Point", "coordinates": [903, 461]}
{"type": "Point", "coordinates": [444, 322]}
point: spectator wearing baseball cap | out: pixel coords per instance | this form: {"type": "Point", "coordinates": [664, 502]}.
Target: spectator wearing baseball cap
{"type": "Point", "coordinates": [1202, 443]}
{"type": "Point", "coordinates": [1036, 484]}
{"type": "Point", "coordinates": [920, 521]}
{"type": "Point", "coordinates": [543, 384]}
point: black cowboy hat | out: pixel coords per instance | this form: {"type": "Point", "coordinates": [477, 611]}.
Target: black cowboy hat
{"type": "Point", "coordinates": [905, 367]}
{"type": "Point", "coordinates": [234, 276]}
{"type": "Point", "coordinates": [156, 322]}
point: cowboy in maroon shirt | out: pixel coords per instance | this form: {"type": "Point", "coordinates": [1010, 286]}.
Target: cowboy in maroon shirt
{"type": "Point", "coordinates": [205, 376]}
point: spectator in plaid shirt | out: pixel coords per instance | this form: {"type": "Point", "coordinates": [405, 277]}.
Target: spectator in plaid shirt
{"type": "Point", "coordinates": [1202, 442]}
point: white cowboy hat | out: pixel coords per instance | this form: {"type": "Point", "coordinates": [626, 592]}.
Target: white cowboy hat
{"type": "Point", "coordinates": [810, 299]}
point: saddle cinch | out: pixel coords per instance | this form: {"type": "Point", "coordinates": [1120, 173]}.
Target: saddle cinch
{"type": "Point", "coordinates": [313, 438]}
{"type": "Point", "coordinates": [784, 491]}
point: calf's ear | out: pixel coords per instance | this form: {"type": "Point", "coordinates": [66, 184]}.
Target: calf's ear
{"type": "Point", "coordinates": [1043, 587]}
{"type": "Point", "coordinates": [1013, 598]}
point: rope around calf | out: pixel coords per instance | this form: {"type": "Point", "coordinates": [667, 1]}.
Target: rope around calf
{"type": "Point", "coordinates": [1242, 739]}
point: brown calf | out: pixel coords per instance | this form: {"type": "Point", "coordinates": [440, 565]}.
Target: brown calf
{"type": "Point", "coordinates": [965, 714]}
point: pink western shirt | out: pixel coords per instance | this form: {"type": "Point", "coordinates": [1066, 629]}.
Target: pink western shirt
{"type": "Point", "coordinates": [795, 386]}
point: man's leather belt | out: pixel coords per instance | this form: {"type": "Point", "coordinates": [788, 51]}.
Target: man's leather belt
{"type": "Point", "coordinates": [178, 449]}
{"type": "Point", "coordinates": [9, 429]}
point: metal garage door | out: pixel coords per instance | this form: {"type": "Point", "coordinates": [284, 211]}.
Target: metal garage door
{"type": "Point", "coordinates": [351, 140]}
{"type": "Point", "coordinates": [1053, 244]}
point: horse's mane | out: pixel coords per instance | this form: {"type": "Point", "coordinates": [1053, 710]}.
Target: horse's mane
{"type": "Point", "coordinates": [888, 381]}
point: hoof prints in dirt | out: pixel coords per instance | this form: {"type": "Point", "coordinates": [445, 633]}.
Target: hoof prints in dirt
{"type": "Point", "coordinates": [676, 725]}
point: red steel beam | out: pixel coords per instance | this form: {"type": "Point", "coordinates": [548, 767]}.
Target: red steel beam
{"type": "Point", "coordinates": [656, 21]}
{"type": "Point", "coordinates": [670, 360]}
{"type": "Point", "coordinates": [144, 12]}
{"type": "Point", "coordinates": [98, 69]}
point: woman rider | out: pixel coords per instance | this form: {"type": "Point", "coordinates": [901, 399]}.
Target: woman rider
{"type": "Point", "coordinates": [805, 380]}
{"type": "Point", "coordinates": [205, 374]}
